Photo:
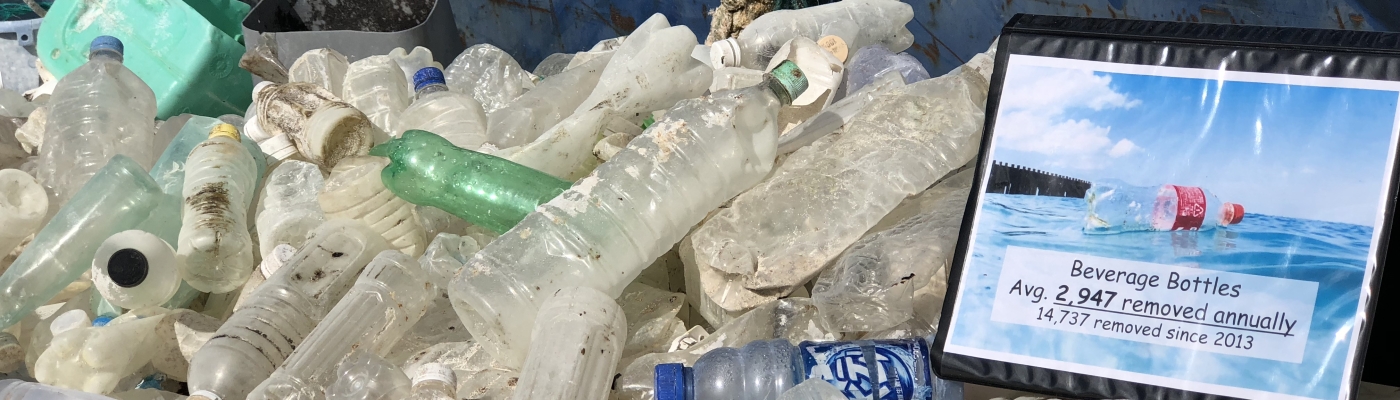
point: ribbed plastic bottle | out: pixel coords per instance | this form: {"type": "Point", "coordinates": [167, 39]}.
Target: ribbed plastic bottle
{"type": "Point", "coordinates": [764, 369]}
{"type": "Point", "coordinates": [377, 86]}
{"type": "Point", "coordinates": [15, 389]}
{"type": "Point", "coordinates": [117, 198]}
{"type": "Point", "coordinates": [610, 225]}
{"type": "Point", "coordinates": [858, 23]}
{"type": "Point", "coordinates": [575, 347]}
{"type": "Point", "coordinates": [434, 382]}
{"type": "Point", "coordinates": [290, 210]}
{"type": "Point", "coordinates": [94, 358]}
{"type": "Point", "coordinates": [23, 205]}
{"type": "Point", "coordinates": [356, 191]}
{"type": "Point", "coordinates": [106, 110]}
{"type": "Point", "coordinates": [282, 311]}
{"type": "Point", "coordinates": [135, 269]}
{"type": "Point", "coordinates": [455, 116]}
{"type": "Point", "coordinates": [486, 190]}
{"type": "Point", "coordinates": [215, 251]}
{"type": "Point", "coordinates": [1116, 207]}
{"type": "Point", "coordinates": [391, 294]}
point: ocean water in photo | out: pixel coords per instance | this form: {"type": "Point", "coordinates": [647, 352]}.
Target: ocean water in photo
{"type": "Point", "coordinates": [1332, 254]}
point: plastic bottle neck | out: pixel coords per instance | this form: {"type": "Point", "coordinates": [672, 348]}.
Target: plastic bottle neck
{"type": "Point", "coordinates": [429, 89]}
{"type": "Point", "coordinates": [106, 54]}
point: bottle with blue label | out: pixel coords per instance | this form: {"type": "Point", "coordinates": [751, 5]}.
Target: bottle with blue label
{"type": "Point", "coordinates": [763, 370]}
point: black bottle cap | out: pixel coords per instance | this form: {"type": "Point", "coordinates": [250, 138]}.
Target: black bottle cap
{"type": "Point", "coordinates": [127, 267]}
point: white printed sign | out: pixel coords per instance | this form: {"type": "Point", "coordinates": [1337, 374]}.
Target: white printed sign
{"type": "Point", "coordinates": [1221, 312]}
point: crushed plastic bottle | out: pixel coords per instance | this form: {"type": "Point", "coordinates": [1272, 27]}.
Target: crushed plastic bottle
{"type": "Point", "coordinates": [1116, 207]}
{"type": "Point", "coordinates": [135, 269]}
{"type": "Point", "coordinates": [94, 358]}
{"type": "Point", "coordinates": [107, 110]}
{"type": "Point", "coordinates": [485, 190]}
{"type": "Point", "coordinates": [215, 251]}
{"type": "Point", "coordinates": [282, 311]}
{"type": "Point", "coordinates": [452, 115]}
{"type": "Point", "coordinates": [377, 86]}
{"type": "Point", "coordinates": [14, 389]}
{"type": "Point", "coordinates": [870, 62]}
{"type": "Point", "coordinates": [117, 198]}
{"type": "Point", "coordinates": [365, 376]}
{"type": "Point", "coordinates": [23, 205]}
{"type": "Point", "coordinates": [601, 232]}
{"type": "Point", "coordinates": [858, 23]}
{"type": "Point", "coordinates": [489, 75]}
{"type": "Point", "coordinates": [41, 335]}
{"type": "Point", "coordinates": [434, 381]}
{"type": "Point", "coordinates": [523, 120]}
{"type": "Point", "coordinates": [574, 349]}
{"type": "Point", "coordinates": [388, 298]}
{"type": "Point", "coordinates": [290, 210]}
{"type": "Point", "coordinates": [324, 67]}
{"type": "Point", "coordinates": [356, 191]}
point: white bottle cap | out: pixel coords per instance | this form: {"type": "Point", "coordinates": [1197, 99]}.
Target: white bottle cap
{"type": "Point", "coordinates": [254, 130]}
{"type": "Point", "coordinates": [278, 147]}
{"type": "Point", "coordinates": [724, 53]}
{"type": "Point", "coordinates": [435, 372]}
{"type": "Point", "coordinates": [68, 321]}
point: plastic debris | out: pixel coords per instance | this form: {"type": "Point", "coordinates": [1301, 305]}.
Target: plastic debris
{"type": "Point", "coordinates": [489, 75]}
{"type": "Point", "coordinates": [575, 347]}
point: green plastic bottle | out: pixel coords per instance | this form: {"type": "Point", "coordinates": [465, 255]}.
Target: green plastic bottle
{"type": "Point", "coordinates": [486, 190]}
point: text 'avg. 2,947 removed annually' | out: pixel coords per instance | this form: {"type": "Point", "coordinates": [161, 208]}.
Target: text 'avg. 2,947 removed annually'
{"type": "Point", "coordinates": [1204, 310]}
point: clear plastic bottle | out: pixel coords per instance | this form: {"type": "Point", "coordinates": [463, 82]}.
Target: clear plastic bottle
{"type": "Point", "coordinates": [523, 120]}
{"type": "Point", "coordinates": [872, 61]}
{"type": "Point", "coordinates": [858, 23]}
{"type": "Point", "coordinates": [289, 207]}
{"type": "Point", "coordinates": [135, 269]}
{"type": "Point", "coordinates": [434, 382]}
{"type": "Point", "coordinates": [107, 110]}
{"type": "Point", "coordinates": [324, 67]}
{"type": "Point", "coordinates": [376, 85]}
{"type": "Point", "coordinates": [14, 389]}
{"type": "Point", "coordinates": [215, 251]}
{"type": "Point", "coordinates": [764, 369]}
{"type": "Point", "coordinates": [490, 75]}
{"type": "Point", "coordinates": [365, 376]}
{"type": "Point", "coordinates": [575, 347]}
{"type": "Point", "coordinates": [281, 312]}
{"type": "Point", "coordinates": [391, 294]}
{"type": "Point", "coordinates": [454, 116]}
{"type": "Point", "coordinates": [1116, 207]}
{"type": "Point", "coordinates": [23, 205]}
{"type": "Point", "coordinates": [412, 61]}
{"type": "Point", "coordinates": [94, 358]}
{"type": "Point", "coordinates": [356, 191]}
{"type": "Point", "coordinates": [117, 198]}
{"type": "Point", "coordinates": [610, 225]}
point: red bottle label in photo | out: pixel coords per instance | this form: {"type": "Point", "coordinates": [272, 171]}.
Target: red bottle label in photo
{"type": "Point", "coordinates": [1190, 208]}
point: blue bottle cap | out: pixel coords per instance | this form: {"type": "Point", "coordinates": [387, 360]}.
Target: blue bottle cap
{"type": "Point", "coordinates": [107, 43]}
{"type": "Point", "coordinates": [428, 76]}
{"type": "Point", "coordinates": [102, 321]}
{"type": "Point", "coordinates": [670, 382]}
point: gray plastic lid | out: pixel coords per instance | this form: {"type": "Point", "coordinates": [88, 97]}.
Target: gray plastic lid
{"type": "Point", "coordinates": [107, 43]}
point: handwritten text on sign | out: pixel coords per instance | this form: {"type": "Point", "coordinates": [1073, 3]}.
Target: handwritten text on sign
{"type": "Point", "coordinates": [1220, 312]}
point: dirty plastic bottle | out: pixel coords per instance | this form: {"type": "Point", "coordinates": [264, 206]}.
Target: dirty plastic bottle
{"type": "Point", "coordinates": [117, 198]}
{"type": "Point", "coordinates": [94, 358]}
{"type": "Point", "coordinates": [290, 210]}
{"type": "Point", "coordinates": [215, 251]}
{"type": "Point", "coordinates": [490, 75]}
{"type": "Point", "coordinates": [78, 312]}
{"type": "Point", "coordinates": [858, 23]}
{"type": "Point", "coordinates": [15, 389]}
{"type": "Point", "coordinates": [764, 369]}
{"type": "Point", "coordinates": [23, 205]}
{"type": "Point", "coordinates": [391, 294]}
{"type": "Point", "coordinates": [610, 225]}
{"type": "Point", "coordinates": [455, 116]}
{"type": "Point", "coordinates": [434, 381]}
{"type": "Point", "coordinates": [317, 125]}
{"type": "Point", "coordinates": [1116, 207]}
{"type": "Point", "coordinates": [523, 120]}
{"type": "Point", "coordinates": [575, 347]}
{"type": "Point", "coordinates": [282, 311]}
{"type": "Point", "coordinates": [135, 269]}
{"type": "Point", "coordinates": [376, 85]}
{"type": "Point", "coordinates": [324, 67]}
{"type": "Point", "coordinates": [485, 190]}
{"type": "Point", "coordinates": [106, 111]}
{"type": "Point", "coordinates": [365, 376]}
{"type": "Point", "coordinates": [356, 191]}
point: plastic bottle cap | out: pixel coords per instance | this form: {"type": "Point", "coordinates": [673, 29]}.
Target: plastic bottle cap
{"type": "Point", "coordinates": [69, 320]}
{"type": "Point", "coordinates": [1234, 213]}
{"type": "Point", "coordinates": [255, 131]}
{"type": "Point", "coordinates": [225, 130]}
{"type": "Point", "coordinates": [128, 267]}
{"type": "Point", "coordinates": [725, 53]}
{"type": "Point", "coordinates": [428, 76]}
{"type": "Point", "coordinates": [107, 43]}
{"type": "Point", "coordinates": [103, 320]}
{"type": "Point", "coordinates": [436, 372]}
{"type": "Point", "coordinates": [279, 147]}
{"type": "Point", "coordinates": [836, 46]}
{"type": "Point", "coordinates": [787, 81]}
{"type": "Point", "coordinates": [670, 382]}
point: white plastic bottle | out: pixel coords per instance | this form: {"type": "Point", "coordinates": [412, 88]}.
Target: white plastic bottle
{"type": "Point", "coordinates": [356, 191]}
{"type": "Point", "coordinates": [456, 117]}
{"type": "Point", "coordinates": [858, 23]}
{"type": "Point", "coordinates": [135, 269]}
{"type": "Point", "coordinates": [610, 225]}
{"type": "Point", "coordinates": [376, 85]}
{"type": "Point", "coordinates": [281, 312]}
{"type": "Point", "coordinates": [490, 75]}
{"type": "Point", "coordinates": [14, 389]}
{"type": "Point", "coordinates": [289, 208]}
{"type": "Point", "coordinates": [215, 251]}
{"type": "Point", "coordinates": [23, 205]}
{"type": "Point", "coordinates": [324, 67]}
{"type": "Point", "coordinates": [523, 120]}
{"type": "Point", "coordinates": [575, 347]}
{"type": "Point", "coordinates": [313, 122]}
{"type": "Point", "coordinates": [106, 110]}
{"type": "Point", "coordinates": [434, 382]}
{"type": "Point", "coordinates": [94, 358]}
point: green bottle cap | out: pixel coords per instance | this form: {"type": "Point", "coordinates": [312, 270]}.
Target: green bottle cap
{"type": "Point", "coordinates": [787, 81]}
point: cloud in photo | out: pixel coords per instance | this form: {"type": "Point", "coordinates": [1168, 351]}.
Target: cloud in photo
{"type": "Point", "coordinates": [1034, 116]}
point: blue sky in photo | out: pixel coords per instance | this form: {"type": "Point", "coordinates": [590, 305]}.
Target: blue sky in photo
{"type": "Point", "coordinates": [1297, 151]}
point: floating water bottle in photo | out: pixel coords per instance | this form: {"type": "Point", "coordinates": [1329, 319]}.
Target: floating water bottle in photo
{"type": "Point", "coordinates": [1115, 207]}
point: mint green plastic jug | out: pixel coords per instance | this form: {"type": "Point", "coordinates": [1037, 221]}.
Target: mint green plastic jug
{"type": "Point", "coordinates": [186, 51]}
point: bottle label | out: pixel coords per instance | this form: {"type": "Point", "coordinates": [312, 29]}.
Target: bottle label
{"type": "Point", "coordinates": [1190, 208]}
{"type": "Point", "coordinates": [883, 369]}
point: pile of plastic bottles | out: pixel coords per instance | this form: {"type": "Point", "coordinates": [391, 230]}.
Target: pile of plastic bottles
{"type": "Point", "coordinates": [653, 218]}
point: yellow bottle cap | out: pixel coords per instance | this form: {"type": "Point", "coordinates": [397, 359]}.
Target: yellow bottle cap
{"type": "Point", "coordinates": [835, 45]}
{"type": "Point", "coordinates": [224, 130]}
